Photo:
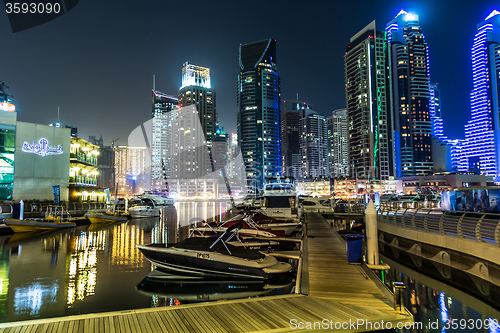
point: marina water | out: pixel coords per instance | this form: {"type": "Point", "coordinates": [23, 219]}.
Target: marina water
{"type": "Point", "coordinates": [97, 268]}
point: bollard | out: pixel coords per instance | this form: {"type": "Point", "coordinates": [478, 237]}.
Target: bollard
{"type": "Point", "coordinates": [372, 255]}
{"type": "Point", "coordinates": [399, 288]}
{"type": "Point", "coordinates": [21, 210]}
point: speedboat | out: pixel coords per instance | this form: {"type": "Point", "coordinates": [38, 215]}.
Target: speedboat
{"type": "Point", "coordinates": [111, 214]}
{"type": "Point", "coordinates": [54, 219]}
{"type": "Point", "coordinates": [147, 208]}
{"type": "Point", "coordinates": [248, 229]}
{"type": "Point", "coordinates": [263, 221]}
{"type": "Point", "coordinates": [213, 257]}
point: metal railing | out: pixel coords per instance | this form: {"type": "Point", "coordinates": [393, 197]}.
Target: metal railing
{"type": "Point", "coordinates": [482, 227]}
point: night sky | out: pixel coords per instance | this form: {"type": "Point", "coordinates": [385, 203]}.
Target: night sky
{"type": "Point", "coordinates": [97, 61]}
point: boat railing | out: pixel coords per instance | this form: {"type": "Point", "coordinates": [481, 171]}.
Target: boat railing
{"type": "Point", "coordinates": [232, 229]}
{"type": "Point", "coordinates": [195, 227]}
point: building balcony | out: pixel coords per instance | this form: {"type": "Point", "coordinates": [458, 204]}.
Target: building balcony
{"type": "Point", "coordinates": [81, 157]}
{"type": "Point", "coordinates": [82, 180]}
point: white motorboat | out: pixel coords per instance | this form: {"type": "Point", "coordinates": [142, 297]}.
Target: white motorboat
{"type": "Point", "coordinates": [147, 208]}
{"type": "Point", "coordinates": [158, 199]}
{"type": "Point", "coordinates": [279, 198]}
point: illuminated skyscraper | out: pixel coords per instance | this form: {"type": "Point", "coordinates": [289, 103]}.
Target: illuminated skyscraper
{"type": "Point", "coordinates": [368, 105]}
{"type": "Point", "coordinates": [196, 89]}
{"type": "Point", "coordinates": [435, 112]}
{"type": "Point", "coordinates": [482, 132]}
{"type": "Point", "coordinates": [258, 98]}
{"type": "Point", "coordinates": [313, 144]}
{"type": "Point", "coordinates": [194, 158]}
{"type": "Point", "coordinates": [290, 137]}
{"type": "Point", "coordinates": [337, 143]}
{"type": "Point", "coordinates": [164, 109]}
{"type": "Point", "coordinates": [409, 70]}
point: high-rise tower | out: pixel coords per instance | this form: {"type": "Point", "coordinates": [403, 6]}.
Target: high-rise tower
{"type": "Point", "coordinates": [164, 109]}
{"type": "Point", "coordinates": [482, 132]}
{"type": "Point", "coordinates": [313, 144]}
{"type": "Point", "coordinates": [197, 89]}
{"type": "Point", "coordinates": [258, 99]}
{"type": "Point", "coordinates": [368, 105]}
{"type": "Point", "coordinates": [337, 144]}
{"type": "Point", "coordinates": [409, 69]}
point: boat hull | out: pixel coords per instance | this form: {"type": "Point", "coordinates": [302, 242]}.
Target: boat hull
{"type": "Point", "coordinates": [144, 211]}
{"type": "Point", "coordinates": [207, 264]}
{"type": "Point", "coordinates": [29, 225]}
{"type": "Point", "coordinates": [104, 218]}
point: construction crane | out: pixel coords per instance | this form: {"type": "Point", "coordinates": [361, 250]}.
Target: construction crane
{"type": "Point", "coordinates": [113, 142]}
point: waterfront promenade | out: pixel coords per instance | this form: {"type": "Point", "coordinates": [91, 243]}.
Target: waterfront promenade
{"type": "Point", "coordinates": [332, 293]}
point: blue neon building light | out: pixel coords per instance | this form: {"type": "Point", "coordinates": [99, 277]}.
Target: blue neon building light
{"type": "Point", "coordinates": [481, 132]}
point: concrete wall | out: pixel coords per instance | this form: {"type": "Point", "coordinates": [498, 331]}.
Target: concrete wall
{"type": "Point", "coordinates": [35, 175]}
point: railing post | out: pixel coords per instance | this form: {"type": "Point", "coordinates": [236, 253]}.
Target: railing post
{"type": "Point", "coordinates": [441, 225]}
{"type": "Point", "coordinates": [478, 229]}
{"type": "Point", "coordinates": [403, 218]}
{"type": "Point", "coordinates": [497, 235]}
{"type": "Point", "coordinates": [399, 288]}
{"type": "Point", "coordinates": [459, 226]}
{"type": "Point", "coordinates": [413, 224]}
{"type": "Point", "coordinates": [426, 226]}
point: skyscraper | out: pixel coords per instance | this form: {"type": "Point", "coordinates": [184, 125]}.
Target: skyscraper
{"type": "Point", "coordinates": [368, 105]}
{"type": "Point", "coordinates": [258, 99]}
{"type": "Point", "coordinates": [164, 108]}
{"type": "Point", "coordinates": [435, 112]}
{"type": "Point", "coordinates": [313, 144]}
{"type": "Point", "coordinates": [290, 137]}
{"type": "Point", "coordinates": [409, 70]}
{"type": "Point", "coordinates": [482, 132]}
{"type": "Point", "coordinates": [195, 159]}
{"type": "Point", "coordinates": [337, 144]}
{"type": "Point", "coordinates": [197, 89]}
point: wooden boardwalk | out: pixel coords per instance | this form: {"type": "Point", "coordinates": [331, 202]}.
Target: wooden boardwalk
{"type": "Point", "coordinates": [338, 295]}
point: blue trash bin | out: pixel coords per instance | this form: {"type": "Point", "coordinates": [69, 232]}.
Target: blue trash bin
{"type": "Point", "coordinates": [354, 248]}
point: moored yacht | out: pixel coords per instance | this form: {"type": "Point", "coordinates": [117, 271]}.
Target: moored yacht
{"type": "Point", "coordinates": [146, 208]}
{"type": "Point", "coordinates": [279, 198]}
{"type": "Point", "coordinates": [213, 257]}
{"type": "Point", "coordinates": [158, 199]}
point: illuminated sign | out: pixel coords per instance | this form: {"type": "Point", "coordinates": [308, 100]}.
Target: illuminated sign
{"type": "Point", "coordinates": [42, 148]}
{"type": "Point", "coordinates": [5, 106]}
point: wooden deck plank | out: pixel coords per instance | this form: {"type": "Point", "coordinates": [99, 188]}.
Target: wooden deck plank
{"type": "Point", "coordinates": [201, 322]}
{"type": "Point", "coordinates": [162, 324]}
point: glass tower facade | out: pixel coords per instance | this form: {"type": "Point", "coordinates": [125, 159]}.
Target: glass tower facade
{"type": "Point", "coordinates": [164, 109]}
{"type": "Point", "coordinates": [368, 105]}
{"type": "Point", "coordinates": [258, 99]}
{"type": "Point", "coordinates": [482, 132]}
{"type": "Point", "coordinates": [409, 69]}
{"type": "Point", "coordinates": [337, 144]}
{"type": "Point", "coordinates": [313, 144]}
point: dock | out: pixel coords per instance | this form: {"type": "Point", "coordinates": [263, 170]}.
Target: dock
{"type": "Point", "coordinates": [334, 296]}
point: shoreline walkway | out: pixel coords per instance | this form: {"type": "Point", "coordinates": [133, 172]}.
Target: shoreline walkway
{"type": "Point", "coordinates": [334, 296]}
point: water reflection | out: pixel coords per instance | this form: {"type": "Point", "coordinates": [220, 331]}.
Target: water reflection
{"type": "Point", "coordinates": [439, 306]}
{"type": "Point", "coordinates": [88, 269]}
{"type": "Point", "coordinates": [167, 289]}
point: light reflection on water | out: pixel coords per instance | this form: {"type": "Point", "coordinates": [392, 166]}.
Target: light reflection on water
{"type": "Point", "coordinates": [441, 307]}
{"type": "Point", "coordinates": [88, 269]}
